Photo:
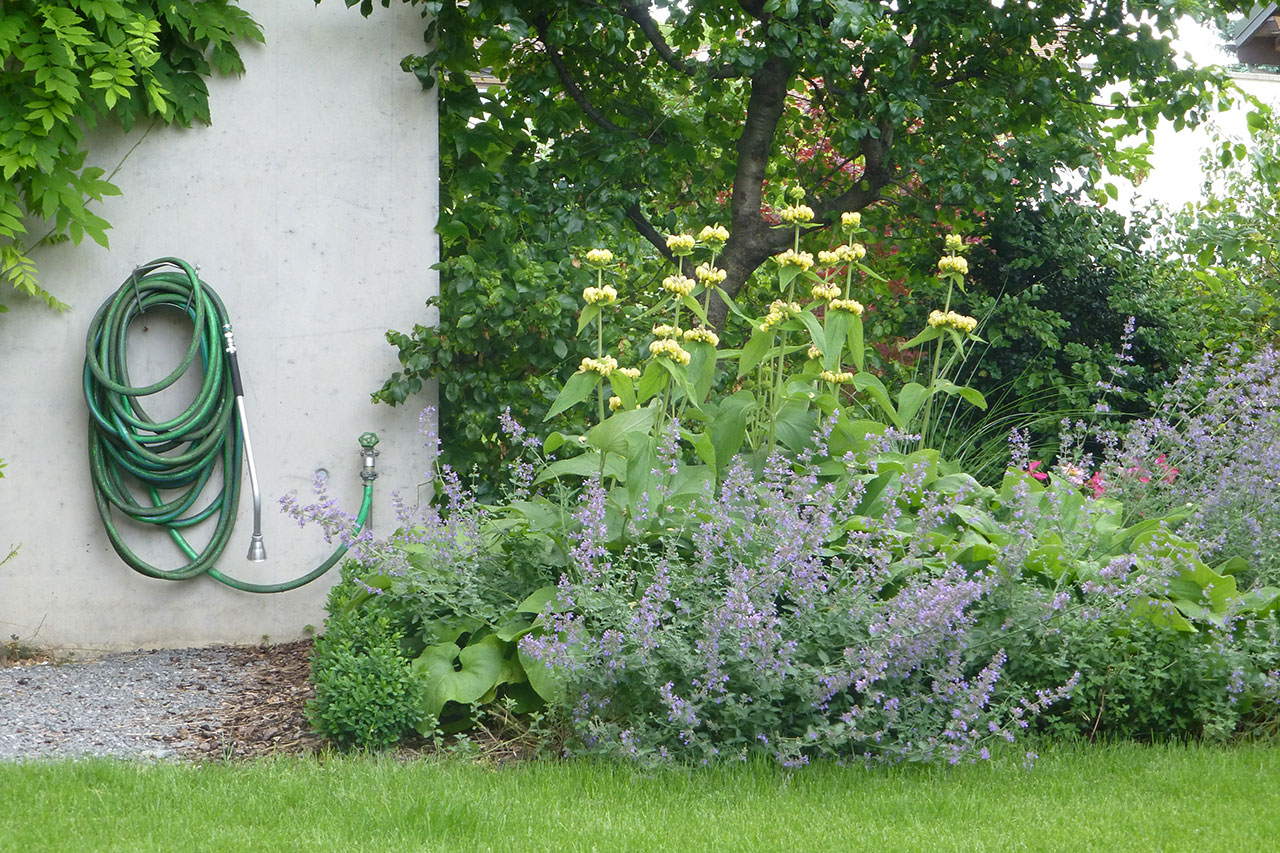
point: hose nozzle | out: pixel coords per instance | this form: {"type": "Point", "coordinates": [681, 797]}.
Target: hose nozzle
{"type": "Point", "coordinates": [257, 550]}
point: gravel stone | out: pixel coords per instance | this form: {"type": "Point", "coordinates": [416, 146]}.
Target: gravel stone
{"type": "Point", "coordinates": [142, 704]}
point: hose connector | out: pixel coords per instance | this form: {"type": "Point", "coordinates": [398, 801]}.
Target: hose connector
{"type": "Point", "coordinates": [368, 441]}
{"type": "Point", "coordinates": [369, 470]}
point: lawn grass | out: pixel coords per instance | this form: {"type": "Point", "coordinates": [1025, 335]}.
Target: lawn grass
{"type": "Point", "coordinates": [1123, 797]}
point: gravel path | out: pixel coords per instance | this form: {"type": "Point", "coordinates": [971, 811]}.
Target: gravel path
{"type": "Point", "coordinates": [142, 704]}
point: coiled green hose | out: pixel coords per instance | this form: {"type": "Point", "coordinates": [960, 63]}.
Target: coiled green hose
{"type": "Point", "coordinates": [180, 455]}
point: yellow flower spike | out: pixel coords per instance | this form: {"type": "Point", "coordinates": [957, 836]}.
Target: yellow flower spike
{"type": "Point", "coordinates": [792, 258]}
{"type": "Point", "coordinates": [952, 320]}
{"type": "Point", "coordinates": [708, 274]}
{"type": "Point", "coordinates": [666, 330]}
{"type": "Point", "coordinates": [853, 306]}
{"type": "Point", "coordinates": [953, 243]}
{"type": "Point", "coordinates": [632, 373]}
{"type": "Point", "coordinates": [678, 284]}
{"type": "Point", "coordinates": [850, 219]}
{"type": "Point", "coordinates": [851, 252]}
{"type": "Point", "coordinates": [796, 214]}
{"type": "Point", "coordinates": [599, 258]}
{"type": "Point", "coordinates": [815, 354]}
{"type": "Point", "coordinates": [825, 291]}
{"type": "Point", "coordinates": [841, 378]}
{"type": "Point", "coordinates": [714, 236]}
{"type": "Point", "coordinates": [702, 335]}
{"type": "Point", "coordinates": [603, 366]}
{"type": "Point", "coordinates": [670, 349]}
{"type": "Point", "coordinates": [795, 192]}
{"type": "Point", "coordinates": [615, 403]}
{"type": "Point", "coordinates": [681, 244]}
{"type": "Point", "coordinates": [953, 264]}
{"type": "Point", "coordinates": [604, 295]}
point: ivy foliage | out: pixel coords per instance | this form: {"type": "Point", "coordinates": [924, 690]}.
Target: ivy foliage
{"type": "Point", "coordinates": [65, 67]}
{"type": "Point", "coordinates": [567, 124]}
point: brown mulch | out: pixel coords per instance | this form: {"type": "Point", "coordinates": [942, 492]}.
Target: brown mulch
{"type": "Point", "coordinates": [264, 715]}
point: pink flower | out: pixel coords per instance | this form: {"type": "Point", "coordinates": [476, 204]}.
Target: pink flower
{"type": "Point", "coordinates": [1039, 475]}
{"type": "Point", "coordinates": [1096, 484]}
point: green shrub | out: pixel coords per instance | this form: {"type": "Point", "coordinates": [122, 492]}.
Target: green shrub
{"type": "Point", "coordinates": [367, 694]}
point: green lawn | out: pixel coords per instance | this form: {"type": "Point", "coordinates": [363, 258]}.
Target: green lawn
{"type": "Point", "coordinates": [1076, 798]}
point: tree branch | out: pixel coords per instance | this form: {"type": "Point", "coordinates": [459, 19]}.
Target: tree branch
{"type": "Point", "coordinates": [639, 15]}
{"type": "Point", "coordinates": [877, 173]}
{"type": "Point", "coordinates": [571, 86]}
{"type": "Point", "coordinates": [755, 144]}
{"type": "Point", "coordinates": [646, 229]}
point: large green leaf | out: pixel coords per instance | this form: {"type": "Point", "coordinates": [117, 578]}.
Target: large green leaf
{"type": "Point", "coordinates": [577, 389]}
{"type": "Point", "coordinates": [458, 675]}
{"type": "Point", "coordinates": [538, 599]}
{"type": "Point", "coordinates": [911, 400]}
{"type": "Point", "coordinates": [616, 433]}
{"type": "Point", "coordinates": [589, 313]}
{"type": "Point", "coordinates": [624, 388]}
{"type": "Point", "coordinates": [729, 426]}
{"type": "Point", "coordinates": [548, 683]}
{"type": "Point", "coordinates": [871, 383]}
{"type": "Point", "coordinates": [640, 481]}
{"type": "Point", "coordinates": [754, 352]}
{"type": "Point", "coordinates": [816, 332]}
{"type": "Point", "coordinates": [930, 333]}
{"type": "Point", "coordinates": [794, 425]}
{"type": "Point", "coordinates": [970, 395]}
{"type": "Point", "coordinates": [585, 465]}
{"type": "Point", "coordinates": [702, 368]}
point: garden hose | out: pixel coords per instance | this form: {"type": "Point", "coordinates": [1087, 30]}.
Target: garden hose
{"type": "Point", "coordinates": [129, 450]}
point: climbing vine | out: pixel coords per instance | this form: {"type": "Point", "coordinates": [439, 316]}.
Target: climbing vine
{"type": "Point", "coordinates": [67, 66]}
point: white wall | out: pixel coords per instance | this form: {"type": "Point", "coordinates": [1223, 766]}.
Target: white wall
{"type": "Point", "coordinates": [1176, 177]}
{"type": "Point", "coordinates": [309, 205]}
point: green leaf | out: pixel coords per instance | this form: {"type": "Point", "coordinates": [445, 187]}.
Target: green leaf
{"type": "Point", "coordinates": [622, 386]}
{"type": "Point", "coordinates": [754, 351]}
{"type": "Point", "coordinates": [692, 304]}
{"type": "Point", "coordinates": [680, 373]}
{"type": "Point", "coordinates": [652, 381]}
{"type": "Point", "coordinates": [538, 599]}
{"type": "Point", "coordinates": [786, 275]}
{"type": "Point", "coordinates": [871, 383]}
{"type": "Point", "coordinates": [729, 426]}
{"type": "Point", "coordinates": [589, 312]}
{"type": "Point", "coordinates": [816, 332]}
{"type": "Point", "coordinates": [615, 433]}
{"type": "Point", "coordinates": [548, 684]}
{"type": "Point", "coordinates": [970, 395]}
{"type": "Point", "coordinates": [930, 333]}
{"type": "Point", "coordinates": [459, 675]}
{"type": "Point", "coordinates": [702, 368]}
{"type": "Point", "coordinates": [911, 399]}
{"type": "Point", "coordinates": [585, 465]}
{"type": "Point", "coordinates": [640, 479]}
{"type": "Point", "coordinates": [794, 425]}
{"type": "Point", "coordinates": [577, 389]}
{"type": "Point", "coordinates": [702, 446]}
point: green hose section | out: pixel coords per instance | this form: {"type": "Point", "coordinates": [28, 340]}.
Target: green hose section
{"type": "Point", "coordinates": [126, 445]}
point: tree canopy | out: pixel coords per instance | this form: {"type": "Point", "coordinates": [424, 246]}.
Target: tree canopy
{"type": "Point", "coordinates": [656, 106]}
{"type": "Point", "coordinates": [569, 123]}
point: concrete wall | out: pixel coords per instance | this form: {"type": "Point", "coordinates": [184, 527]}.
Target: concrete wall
{"type": "Point", "coordinates": [309, 205]}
